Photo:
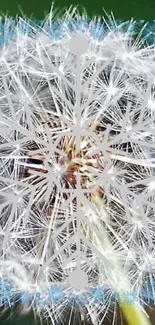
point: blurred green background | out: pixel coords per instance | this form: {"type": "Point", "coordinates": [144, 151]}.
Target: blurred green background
{"type": "Point", "coordinates": [37, 9]}
{"type": "Point", "coordinates": [138, 9]}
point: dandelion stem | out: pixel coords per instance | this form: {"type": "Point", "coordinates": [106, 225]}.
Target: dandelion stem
{"type": "Point", "coordinates": [133, 313]}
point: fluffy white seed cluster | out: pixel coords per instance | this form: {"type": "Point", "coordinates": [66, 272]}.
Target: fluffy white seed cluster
{"type": "Point", "coordinates": [45, 83]}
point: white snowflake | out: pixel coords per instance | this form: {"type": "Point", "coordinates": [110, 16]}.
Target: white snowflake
{"type": "Point", "coordinates": [77, 173]}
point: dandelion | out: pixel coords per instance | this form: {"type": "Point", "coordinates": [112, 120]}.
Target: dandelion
{"type": "Point", "coordinates": [77, 148]}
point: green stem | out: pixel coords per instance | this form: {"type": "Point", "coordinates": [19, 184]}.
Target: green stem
{"type": "Point", "coordinates": [133, 313]}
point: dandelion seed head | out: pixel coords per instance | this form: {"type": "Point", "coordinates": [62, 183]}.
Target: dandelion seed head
{"type": "Point", "coordinates": [111, 90]}
{"type": "Point", "coordinates": [43, 164]}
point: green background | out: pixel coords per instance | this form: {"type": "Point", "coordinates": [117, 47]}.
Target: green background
{"type": "Point", "coordinates": [37, 9]}
{"type": "Point", "coordinates": [138, 9]}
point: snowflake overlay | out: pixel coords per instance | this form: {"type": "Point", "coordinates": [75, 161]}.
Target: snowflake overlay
{"type": "Point", "coordinates": [77, 178]}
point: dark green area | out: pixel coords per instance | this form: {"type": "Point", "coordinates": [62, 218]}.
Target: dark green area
{"type": "Point", "coordinates": [138, 9]}
{"type": "Point", "coordinates": [12, 318]}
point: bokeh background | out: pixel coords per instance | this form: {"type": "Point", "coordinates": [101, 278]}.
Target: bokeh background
{"type": "Point", "coordinates": [138, 9]}
{"type": "Point", "coordinates": [37, 9]}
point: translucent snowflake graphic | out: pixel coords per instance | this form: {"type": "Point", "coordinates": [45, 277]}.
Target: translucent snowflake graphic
{"type": "Point", "coordinates": [77, 176]}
